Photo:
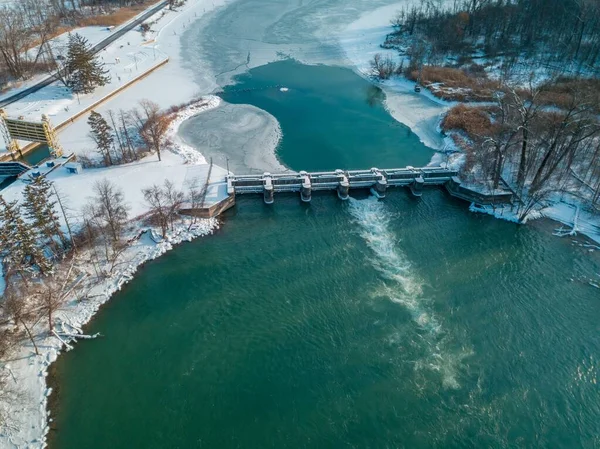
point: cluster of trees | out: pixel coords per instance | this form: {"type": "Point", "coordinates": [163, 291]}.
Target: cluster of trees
{"type": "Point", "coordinates": [26, 26]}
{"type": "Point", "coordinates": [39, 273]}
{"type": "Point", "coordinates": [127, 135]}
{"type": "Point", "coordinates": [563, 34]}
{"type": "Point", "coordinates": [39, 260]}
{"type": "Point", "coordinates": [30, 233]}
{"type": "Point", "coordinates": [537, 150]}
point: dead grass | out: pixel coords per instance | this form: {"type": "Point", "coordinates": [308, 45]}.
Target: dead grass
{"type": "Point", "coordinates": [565, 91]}
{"type": "Point", "coordinates": [453, 84]}
{"type": "Point", "coordinates": [474, 121]}
{"type": "Point", "coordinates": [116, 17]}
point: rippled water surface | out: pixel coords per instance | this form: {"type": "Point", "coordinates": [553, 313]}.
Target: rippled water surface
{"type": "Point", "coordinates": [400, 323]}
{"type": "Point", "coordinates": [359, 324]}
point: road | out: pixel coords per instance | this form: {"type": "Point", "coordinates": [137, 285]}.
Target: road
{"type": "Point", "coordinates": [96, 48]}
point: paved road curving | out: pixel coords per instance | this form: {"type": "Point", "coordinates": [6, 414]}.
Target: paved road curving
{"type": "Point", "coordinates": [96, 48]}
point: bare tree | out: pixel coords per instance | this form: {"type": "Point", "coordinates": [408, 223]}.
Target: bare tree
{"type": "Point", "coordinates": [14, 40]}
{"type": "Point", "coordinates": [383, 68]}
{"type": "Point", "coordinates": [165, 202]}
{"type": "Point", "coordinates": [125, 120]}
{"type": "Point", "coordinates": [152, 125]}
{"type": "Point", "coordinates": [21, 310]}
{"type": "Point", "coordinates": [194, 198]}
{"type": "Point", "coordinates": [174, 199]}
{"type": "Point", "coordinates": [157, 202]}
{"type": "Point", "coordinates": [109, 208]}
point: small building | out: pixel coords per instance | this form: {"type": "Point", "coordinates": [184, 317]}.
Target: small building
{"type": "Point", "coordinates": [73, 167]}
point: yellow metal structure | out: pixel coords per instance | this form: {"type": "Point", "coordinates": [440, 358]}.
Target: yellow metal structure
{"type": "Point", "coordinates": [13, 130]}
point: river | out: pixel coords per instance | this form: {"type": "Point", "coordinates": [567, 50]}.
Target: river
{"type": "Point", "coordinates": [369, 324]}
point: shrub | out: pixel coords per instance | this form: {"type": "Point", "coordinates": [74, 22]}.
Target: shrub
{"type": "Point", "coordinates": [473, 121]}
{"type": "Point", "coordinates": [456, 84]}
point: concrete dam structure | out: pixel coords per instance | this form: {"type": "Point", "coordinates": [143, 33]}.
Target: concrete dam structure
{"type": "Point", "coordinates": [304, 183]}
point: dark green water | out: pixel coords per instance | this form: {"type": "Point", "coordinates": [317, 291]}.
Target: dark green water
{"type": "Point", "coordinates": [38, 155]}
{"type": "Point", "coordinates": [330, 118]}
{"type": "Point", "coordinates": [360, 324]}
{"type": "Point", "coordinates": [394, 324]}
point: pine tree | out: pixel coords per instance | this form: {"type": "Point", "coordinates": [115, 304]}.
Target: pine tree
{"type": "Point", "coordinates": [40, 209]}
{"type": "Point", "coordinates": [8, 232]}
{"type": "Point", "coordinates": [84, 71]}
{"type": "Point", "coordinates": [20, 240]}
{"type": "Point", "coordinates": [31, 254]}
{"type": "Point", "coordinates": [102, 134]}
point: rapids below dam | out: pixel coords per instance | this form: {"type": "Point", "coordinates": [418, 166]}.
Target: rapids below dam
{"type": "Point", "coordinates": [368, 324]}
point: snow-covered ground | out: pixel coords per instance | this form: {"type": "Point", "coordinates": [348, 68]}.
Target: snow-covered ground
{"type": "Point", "coordinates": [94, 34]}
{"type": "Point", "coordinates": [420, 111]}
{"type": "Point", "coordinates": [567, 210]}
{"type": "Point", "coordinates": [126, 59]}
{"type": "Point", "coordinates": [28, 424]}
{"type": "Point", "coordinates": [170, 85]}
{"type": "Point", "coordinates": [358, 35]}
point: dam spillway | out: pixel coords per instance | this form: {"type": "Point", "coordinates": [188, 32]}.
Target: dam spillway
{"type": "Point", "coordinates": [342, 181]}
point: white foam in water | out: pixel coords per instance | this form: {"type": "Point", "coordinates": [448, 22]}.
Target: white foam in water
{"type": "Point", "coordinates": [402, 285]}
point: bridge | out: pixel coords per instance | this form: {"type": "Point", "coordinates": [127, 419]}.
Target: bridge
{"type": "Point", "coordinates": [342, 181]}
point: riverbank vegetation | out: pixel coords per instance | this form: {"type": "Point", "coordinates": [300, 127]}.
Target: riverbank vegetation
{"type": "Point", "coordinates": [129, 135]}
{"type": "Point", "coordinates": [526, 77]}
{"type": "Point", "coordinates": [561, 36]}
{"type": "Point", "coordinates": [46, 270]}
{"type": "Point", "coordinates": [537, 150]}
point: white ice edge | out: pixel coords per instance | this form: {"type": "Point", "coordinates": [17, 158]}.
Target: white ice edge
{"type": "Point", "coordinates": [28, 423]}
{"type": "Point", "coordinates": [360, 41]}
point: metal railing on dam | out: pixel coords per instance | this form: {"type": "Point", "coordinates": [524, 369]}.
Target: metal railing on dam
{"type": "Point", "coordinates": [377, 180]}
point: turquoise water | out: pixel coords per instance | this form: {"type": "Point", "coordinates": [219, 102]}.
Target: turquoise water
{"type": "Point", "coordinates": [315, 114]}
{"type": "Point", "coordinates": [363, 324]}
{"type": "Point", "coordinates": [400, 323]}
{"type": "Point", "coordinates": [313, 110]}
{"type": "Point", "coordinates": [38, 155]}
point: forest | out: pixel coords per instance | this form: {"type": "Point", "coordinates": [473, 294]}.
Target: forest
{"type": "Point", "coordinates": [562, 36]}
{"type": "Point", "coordinates": [525, 76]}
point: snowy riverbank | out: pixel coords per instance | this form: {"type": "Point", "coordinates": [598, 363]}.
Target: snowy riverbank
{"type": "Point", "coordinates": [422, 112]}
{"type": "Point", "coordinates": [28, 419]}
{"type": "Point", "coordinates": [28, 422]}
{"type": "Point", "coordinates": [174, 84]}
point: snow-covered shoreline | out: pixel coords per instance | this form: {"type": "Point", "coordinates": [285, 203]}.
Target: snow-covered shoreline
{"type": "Point", "coordinates": [28, 422]}
{"type": "Point", "coordinates": [28, 419]}
{"type": "Point", "coordinates": [189, 154]}
{"type": "Point", "coordinates": [423, 112]}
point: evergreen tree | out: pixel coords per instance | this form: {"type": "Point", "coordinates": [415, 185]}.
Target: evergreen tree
{"type": "Point", "coordinates": [83, 71]}
{"type": "Point", "coordinates": [40, 209]}
{"type": "Point", "coordinates": [8, 231]}
{"type": "Point", "coordinates": [20, 240]}
{"type": "Point", "coordinates": [102, 134]}
{"type": "Point", "coordinates": [30, 253]}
